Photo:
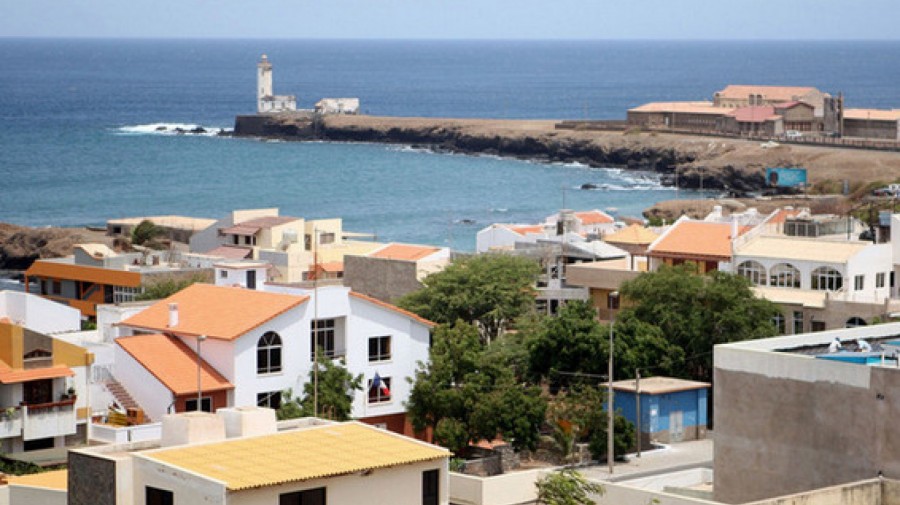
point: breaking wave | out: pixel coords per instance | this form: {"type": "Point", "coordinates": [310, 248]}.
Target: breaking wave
{"type": "Point", "coordinates": [171, 129]}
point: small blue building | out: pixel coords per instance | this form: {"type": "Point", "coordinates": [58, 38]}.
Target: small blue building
{"type": "Point", "coordinates": [672, 410]}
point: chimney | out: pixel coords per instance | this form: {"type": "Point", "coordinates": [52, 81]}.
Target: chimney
{"type": "Point", "coordinates": [173, 315]}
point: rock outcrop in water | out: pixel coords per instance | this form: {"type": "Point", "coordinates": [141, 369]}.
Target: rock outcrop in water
{"type": "Point", "coordinates": [736, 166]}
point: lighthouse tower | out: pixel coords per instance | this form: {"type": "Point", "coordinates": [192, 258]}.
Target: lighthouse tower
{"type": "Point", "coordinates": [263, 80]}
{"type": "Point", "coordinates": [266, 100]}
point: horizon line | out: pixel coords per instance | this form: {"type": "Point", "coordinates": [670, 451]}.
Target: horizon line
{"type": "Point", "coordinates": [435, 39]}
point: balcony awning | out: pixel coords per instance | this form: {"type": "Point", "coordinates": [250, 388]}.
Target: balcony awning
{"type": "Point", "coordinates": [13, 376]}
{"type": "Point", "coordinates": [240, 230]}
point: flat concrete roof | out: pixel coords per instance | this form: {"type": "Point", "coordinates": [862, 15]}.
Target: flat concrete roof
{"type": "Point", "coordinates": [660, 385]}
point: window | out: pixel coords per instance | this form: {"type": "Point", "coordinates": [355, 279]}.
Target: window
{"type": "Point", "coordinates": [818, 326]}
{"type": "Point", "coordinates": [125, 294]}
{"type": "Point", "coordinates": [326, 238]}
{"type": "Point", "coordinates": [858, 283]}
{"type": "Point", "coordinates": [853, 322]}
{"type": "Point", "coordinates": [57, 287]}
{"type": "Point", "coordinates": [798, 322]}
{"type": "Point", "coordinates": [381, 392]}
{"type": "Point", "coordinates": [223, 274]}
{"type": "Point", "coordinates": [754, 272]}
{"type": "Point", "coordinates": [308, 497]}
{"type": "Point", "coordinates": [268, 353]}
{"type": "Point", "coordinates": [379, 348]}
{"type": "Point", "coordinates": [271, 399]}
{"type": "Point", "coordinates": [827, 279]}
{"type": "Point", "coordinates": [784, 275]}
{"type": "Point", "coordinates": [778, 321]}
{"type": "Point", "coordinates": [879, 280]}
{"type": "Point", "coordinates": [322, 336]}
{"type": "Point", "coordinates": [191, 404]}
{"type": "Point", "coordinates": [430, 487]}
{"type": "Point", "coordinates": [154, 496]}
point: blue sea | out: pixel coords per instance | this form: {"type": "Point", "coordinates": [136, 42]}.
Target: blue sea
{"type": "Point", "coordinates": [78, 118]}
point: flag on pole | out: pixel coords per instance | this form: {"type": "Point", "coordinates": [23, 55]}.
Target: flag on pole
{"type": "Point", "coordinates": [379, 385]}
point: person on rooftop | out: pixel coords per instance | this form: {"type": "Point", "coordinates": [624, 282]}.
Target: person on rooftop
{"type": "Point", "coordinates": [863, 346]}
{"type": "Point", "coordinates": [835, 345]}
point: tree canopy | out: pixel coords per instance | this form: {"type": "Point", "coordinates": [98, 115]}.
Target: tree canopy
{"type": "Point", "coordinates": [695, 312]}
{"type": "Point", "coordinates": [566, 487]}
{"type": "Point", "coordinates": [488, 290]}
{"type": "Point", "coordinates": [466, 393]}
{"type": "Point", "coordinates": [166, 286]}
{"type": "Point", "coordinates": [146, 233]}
{"type": "Point", "coordinates": [335, 398]}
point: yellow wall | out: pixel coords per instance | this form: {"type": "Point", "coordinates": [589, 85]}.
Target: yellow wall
{"type": "Point", "coordinates": [70, 355]}
{"type": "Point", "coordinates": [12, 344]}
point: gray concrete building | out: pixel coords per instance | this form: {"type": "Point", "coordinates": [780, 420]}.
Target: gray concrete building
{"type": "Point", "coordinates": [790, 416]}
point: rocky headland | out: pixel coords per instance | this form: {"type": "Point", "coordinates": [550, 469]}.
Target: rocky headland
{"type": "Point", "coordinates": [21, 245]}
{"type": "Point", "coordinates": [733, 165]}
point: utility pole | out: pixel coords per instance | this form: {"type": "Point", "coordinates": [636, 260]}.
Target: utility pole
{"type": "Point", "coordinates": [200, 339]}
{"type": "Point", "coordinates": [637, 407]}
{"type": "Point", "coordinates": [610, 427]}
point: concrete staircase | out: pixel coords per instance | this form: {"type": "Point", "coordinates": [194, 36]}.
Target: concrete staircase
{"type": "Point", "coordinates": [123, 398]}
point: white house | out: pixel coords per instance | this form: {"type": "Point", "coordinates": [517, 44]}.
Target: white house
{"type": "Point", "coordinates": [258, 344]}
{"type": "Point", "coordinates": [37, 313]}
{"type": "Point", "coordinates": [573, 226]}
{"type": "Point", "coordinates": [330, 106]}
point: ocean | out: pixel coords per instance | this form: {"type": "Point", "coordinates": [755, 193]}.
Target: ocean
{"type": "Point", "coordinates": [79, 145]}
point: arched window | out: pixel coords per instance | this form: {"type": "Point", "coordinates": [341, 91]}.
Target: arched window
{"type": "Point", "coordinates": [784, 275]}
{"type": "Point", "coordinates": [268, 353]}
{"type": "Point", "coordinates": [853, 322]}
{"type": "Point", "coordinates": [754, 272]}
{"type": "Point", "coordinates": [827, 279]}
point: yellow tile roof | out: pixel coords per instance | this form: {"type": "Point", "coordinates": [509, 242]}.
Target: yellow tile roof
{"type": "Point", "coordinates": [57, 479]}
{"type": "Point", "coordinates": [300, 455]}
{"type": "Point", "coordinates": [634, 234]}
{"type": "Point", "coordinates": [215, 311]}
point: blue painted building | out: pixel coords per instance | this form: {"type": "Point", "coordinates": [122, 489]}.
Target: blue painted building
{"type": "Point", "coordinates": [672, 410]}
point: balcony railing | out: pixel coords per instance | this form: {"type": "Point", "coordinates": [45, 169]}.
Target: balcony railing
{"type": "Point", "coordinates": [39, 420]}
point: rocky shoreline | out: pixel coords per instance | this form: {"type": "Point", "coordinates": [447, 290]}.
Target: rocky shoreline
{"type": "Point", "coordinates": [732, 165]}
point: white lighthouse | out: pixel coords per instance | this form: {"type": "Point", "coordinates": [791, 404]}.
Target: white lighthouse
{"type": "Point", "coordinates": [266, 100]}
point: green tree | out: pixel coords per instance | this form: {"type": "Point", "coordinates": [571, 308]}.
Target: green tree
{"type": "Point", "coordinates": [489, 290]}
{"type": "Point", "coordinates": [166, 286]}
{"type": "Point", "coordinates": [582, 407]}
{"type": "Point", "coordinates": [336, 389]}
{"type": "Point", "coordinates": [623, 438]}
{"type": "Point", "coordinates": [566, 487]}
{"type": "Point", "coordinates": [335, 398]}
{"type": "Point", "coordinates": [146, 233]}
{"type": "Point", "coordinates": [465, 393]}
{"type": "Point", "coordinates": [696, 312]}
{"type": "Point", "coordinates": [574, 342]}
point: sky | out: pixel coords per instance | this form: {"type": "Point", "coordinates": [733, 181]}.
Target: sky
{"type": "Point", "coordinates": [453, 19]}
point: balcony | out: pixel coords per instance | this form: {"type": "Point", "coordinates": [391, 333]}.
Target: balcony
{"type": "Point", "coordinates": [44, 420]}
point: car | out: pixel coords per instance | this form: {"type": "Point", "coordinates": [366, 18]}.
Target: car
{"type": "Point", "coordinates": [892, 190]}
{"type": "Point", "coordinates": [792, 134]}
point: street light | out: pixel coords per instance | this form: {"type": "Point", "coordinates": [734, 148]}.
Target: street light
{"type": "Point", "coordinates": [200, 338]}
{"type": "Point", "coordinates": [612, 304]}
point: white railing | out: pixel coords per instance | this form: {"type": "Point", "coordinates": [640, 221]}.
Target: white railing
{"type": "Point", "coordinates": [48, 419]}
{"type": "Point", "coordinates": [124, 434]}
{"type": "Point", "coordinates": [10, 422]}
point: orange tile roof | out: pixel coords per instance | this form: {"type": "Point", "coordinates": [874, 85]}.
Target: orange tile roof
{"type": "Point", "coordinates": [68, 271]}
{"type": "Point", "coordinates": [594, 217]}
{"type": "Point", "coordinates": [754, 114]}
{"type": "Point", "coordinates": [173, 363]}
{"type": "Point", "coordinates": [331, 266]}
{"type": "Point", "coordinates": [696, 239]}
{"type": "Point", "coordinates": [634, 234]}
{"type": "Point", "coordinates": [215, 311]}
{"type": "Point", "coordinates": [16, 375]}
{"type": "Point", "coordinates": [782, 214]}
{"type": "Point", "coordinates": [525, 230]}
{"type": "Point", "coordinates": [404, 252]}
{"type": "Point", "coordinates": [776, 93]}
{"type": "Point", "coordinates": [395, 308]}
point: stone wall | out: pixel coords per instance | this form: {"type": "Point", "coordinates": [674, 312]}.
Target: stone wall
{"type": "Point", "coordinates": [92, 480]}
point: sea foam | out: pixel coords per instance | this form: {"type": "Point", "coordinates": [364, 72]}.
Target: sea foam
{"type": "Point", "coordinates": [170, 129]}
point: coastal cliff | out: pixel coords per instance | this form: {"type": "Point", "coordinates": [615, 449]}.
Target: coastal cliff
{"type": "Point", "coordinates": [688, 161]}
